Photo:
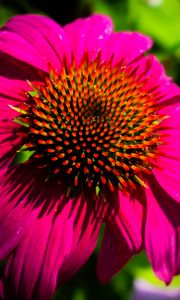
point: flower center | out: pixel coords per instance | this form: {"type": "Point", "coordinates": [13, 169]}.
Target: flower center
{"type": "Point", "coordinates": [93, 125]}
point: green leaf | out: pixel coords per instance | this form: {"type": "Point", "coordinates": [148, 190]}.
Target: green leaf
{"type": "Point", "coordinates": [116, 9]}
{"type": "Point", "coordinates": [6, 13]}
{"type": "Point", "coordinates": [22, 155]}
{"type": "Point", "coordinates": [161, 22]}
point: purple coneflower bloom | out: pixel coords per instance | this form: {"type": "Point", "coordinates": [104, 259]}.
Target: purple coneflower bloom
{"type": "Point", "coordinates": [89, 136]}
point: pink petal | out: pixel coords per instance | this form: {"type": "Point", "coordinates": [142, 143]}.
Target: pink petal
{"type": "Point", "coordinates": [126, 46]}
{"type": "Point", "coordinates": [38, 39]}
{"type": "Point", "coordinates": [153, 75]}
{"type": "Point", "coordinates": [113, 255]}
{"type": "Point", "coordinates": [169, 176]}
{"type": "Point", "coordinates": [177, 272]}
{"type": "Point", "coordinates": [161, 232]}
{"type": "Point", "coordinates": [10, 142]}
{"type": "Point", "coordinates": [23, 267]}
{"type": "Point", "coordinates": [20, 202]}
{"type": "Point", "coordinates": [54, 248]}
{"type": "Point", "coordinates": [13, 227]}
{"type": "Point", "coordinates": [172, 111]}
{"type": "Point", "coordinates": [7, 143]}
{"type": "Point", "coordinates": [122, 238]}
{"type": "Point", "coordinates": [168, 171]}
{"type": "Point", "coordinates": [1, 290]}
{"type": "Point", "coordinates": [170, 147]}
{"type": "Point", "coordinates": [88, 35]}
{"type": "Point", "coordinates": [29, 54]}
{"type": "Point", "coordinates": [14, 219]}
{"type": "Point", "coordinates": [71, 246]}
{"type": "Point", "coordinates": [13, 80]}
{"type": "Point", "coordinates": [129, 218]}
{"type": "Point", "coordinates": [12, 230]}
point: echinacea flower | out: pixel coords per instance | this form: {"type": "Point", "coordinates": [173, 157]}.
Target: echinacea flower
{"type": "Point", "coordinates": [89, 136]}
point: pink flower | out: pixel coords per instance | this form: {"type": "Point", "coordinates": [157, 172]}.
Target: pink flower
{"type": "Point", "coordinates": [89, 135]}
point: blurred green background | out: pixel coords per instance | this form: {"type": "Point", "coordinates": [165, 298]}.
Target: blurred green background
{"type": "Point", "coordinates": [160, 19]}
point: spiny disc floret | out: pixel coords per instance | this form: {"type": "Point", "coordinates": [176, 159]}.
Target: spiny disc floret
{"type": "Point", "coordinates": [93, 125]}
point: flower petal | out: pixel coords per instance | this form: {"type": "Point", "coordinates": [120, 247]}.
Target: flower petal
{"type": "Point", "coordinates": [71, 246]}
{"type": "Point", "coordinates": [14, 219]}
{"type": "Point", "coordinates": [113, 255]}
{"type": "Point", "coordinates": [53, 249]}
{"type": "Point", "coordinates": [1, 290]}
{"type": "Point", "coordinates": [34, 47]}
{"type": "Point", "coordinates": [172, 111]}
{"type": "Point", "coordinates": [171, 144]}
{"type": "Point", "coordinates": [129, 218]}
{"type": "Point", "coordinates": [154, 77]}
{"type": "Point", "coordinates": [24, 265]}
{"type": "Point", "coordinates": [168, 171]}
{"type": "Point", "coordinates": [13, 80]}
{"type": "Point", "coordinates": [126, 46]}
{"type": "Point", "coordinates": [19, 194]}
{"type": "Point", "coordinates": [161, 232]}
{"type": "Point", "coordinates": [122, 238]}
{"type": "Point", "coordinates": [168, 174]}
{"type": "Point", "coordinates": [88, 35]}
{"type": "Point", "coordinates": [13, 228]}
